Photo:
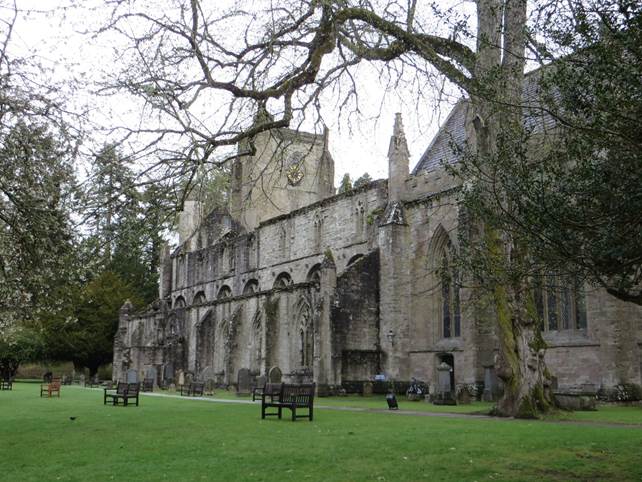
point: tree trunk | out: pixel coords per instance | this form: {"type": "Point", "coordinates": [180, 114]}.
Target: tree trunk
{"type": "Point", "coordinates": [520, 363]}
{"type": "Point", "coordinates": [496, 113]}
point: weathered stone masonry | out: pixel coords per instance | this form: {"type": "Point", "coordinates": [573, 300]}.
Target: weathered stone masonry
{"type": "Point", "coordinates": [340, 288]}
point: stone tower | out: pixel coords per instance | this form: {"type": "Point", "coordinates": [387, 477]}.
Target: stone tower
{"type": "Point", "coordinates": [287, 171]}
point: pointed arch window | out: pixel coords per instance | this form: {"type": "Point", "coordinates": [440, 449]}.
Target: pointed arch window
{"type": "Point", "coordinates": [306, 334]}
{"type": "Point", "coordinates": [446, 315]}
{"type": "Point", "coordinates": [450, 300]}
{"type": "Point", "coordinates": [560, 303]}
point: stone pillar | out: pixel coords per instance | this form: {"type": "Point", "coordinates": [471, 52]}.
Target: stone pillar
{"type": "Point", "coordinates": [188, 219]}
{"type": "Point", "coordinates": [326, 369]}
{"type": "Point", "coordinates": [394, 306]}
{"type": "Point", "coordinates": [120, 363]}
{"type": "Point", "coordinates": [444, 395]}
{"type": "Point", "coordinates": [398, 161]}
{"type": "Point", "coordinates": [165, 272]}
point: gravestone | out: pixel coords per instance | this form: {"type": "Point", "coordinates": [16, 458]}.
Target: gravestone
{"type": "Point", "coordinates": [464, 397]}
{"type": "Point", "coordinates": [207, 373]}
{"type": "Point", "coordinates": [244, 379]}
{"type": "Point", "coordinates": [132, 376]}
{"type": "Point", "coordinates": [168, 373]}
{"type": "Point", "coordinates": [492, 387]}
{"type": "Point", "coordinates": [367, 389]}
{"type": "Point", "coordinates": [260, 382]}
{"type": "Point", "coordinates": [275, 375]}
{"type": "Point", "coordinates": [189, 378]}
{"type": "Point", "coordinates": [81, 380]}
{"type": "Point", "coordinates": [181, 378]}
{"type": "Point", "coordinates": [151, 373]}
{"type": "Point", "coordinates": [444, 395]}
{"type": "Point", "coordinates": [210, 384]}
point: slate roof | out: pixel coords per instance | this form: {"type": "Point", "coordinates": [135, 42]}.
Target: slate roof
{"type": "Point", "coordinates": [453, 131]}
{"type": "Point", "coordinates": [440, 151]}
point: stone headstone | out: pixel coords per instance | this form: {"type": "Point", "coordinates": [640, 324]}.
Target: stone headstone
{"type": "Point", "coordinates": [261, 381]}
{"type": "Point", "coordinates": [81, 379]}
{"type": "Point", "coordinates": [463, 397]}
{"type": "Point", "coordinates": [444, 395]}
{"type": "Point", "coordinates": [151, 373]}
{"type": "Point", "coordinates": [367, 389]}
{"type": "Point", "coordinates": [132, 376]}
{"type": "Point", "coordinates": [207, 373]}
{"type": "Point", "coordinates": [210, 384]}
{"type": "Point", "coordinates": [492, 387]}
{"type": "Point", "coordinates": [168, 372]}
{"type": "Point", "coordinates": [244, 380]}
{"type": "Point", "coordinates": [275, 375]}
{"type": "Point", "coordinates": [181, 378]}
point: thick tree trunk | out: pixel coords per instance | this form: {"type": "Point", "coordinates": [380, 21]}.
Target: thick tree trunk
{"type": "Point", "coordinates": [520, 363]}
{"type": "Point", "coordinates": [496, 113]}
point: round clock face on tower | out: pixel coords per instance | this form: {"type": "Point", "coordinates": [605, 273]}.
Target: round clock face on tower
{"type": "Point", "coordinates": [294, 170]}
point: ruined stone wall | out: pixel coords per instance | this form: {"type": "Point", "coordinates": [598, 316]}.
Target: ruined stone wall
{"type": "Point", "coordinates": [355, 319]}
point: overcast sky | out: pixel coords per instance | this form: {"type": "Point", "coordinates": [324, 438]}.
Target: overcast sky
{"type": "Point", "coordinates": [53, 32]}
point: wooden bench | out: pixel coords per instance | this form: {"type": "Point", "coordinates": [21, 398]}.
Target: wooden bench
{"type": "Point", "coordinates": [50, 389]}
{"type": "Point", "coordinates": [124, 393]}
{"type": "Point", "coordinates": [270, 389]}
{"type": "Point", "coordinates": [292, 397]}
{"type": "Point", "coordinates": [194, 389]}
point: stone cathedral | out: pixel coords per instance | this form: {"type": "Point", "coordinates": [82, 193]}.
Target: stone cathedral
{"type": "Point", "coordinates": [340, 289]}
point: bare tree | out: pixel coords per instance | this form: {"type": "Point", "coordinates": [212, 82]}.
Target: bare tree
{"type": "Point", "coordinates": [205, 72]}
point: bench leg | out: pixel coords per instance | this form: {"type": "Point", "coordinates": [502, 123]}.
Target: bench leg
{"type": "Point", "coordinates": [262, 412]}
{"type": "Point", "coordinates": [293, 413]}
{"type": "Point", "coordinates": [311, 413]}
{"type": "Point", "coordinates": [280, 410]}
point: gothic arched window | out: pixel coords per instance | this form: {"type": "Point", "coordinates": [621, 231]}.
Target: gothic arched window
{"type": "Point", "coordinates": [224, 292]}
{"type": "Point", "coordinates": [251, 287]}
{"type": "Point", "coordinates": [450, 303]}
{"type": "Point", "coordinates": [447, 311]}
{"type": "Point", "coordinates": [560, 303]}
{"type": "Point", "coordinates": [283, 280]}
{"type": "Point", "coordinates": [306, 335]}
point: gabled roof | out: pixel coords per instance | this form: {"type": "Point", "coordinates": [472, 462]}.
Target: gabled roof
{"type": "Point", "coordinates": [453, 132]}
{"type": "Point", "coordinates": [440, 151]}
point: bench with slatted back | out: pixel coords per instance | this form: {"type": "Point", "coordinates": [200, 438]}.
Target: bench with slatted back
{"type": "Point", "coordinates": [292, 397]}
{"type": "Point", "coordinates": [124, 393]}
{"type": "Point", "coordinates": [113, 396]}
{"type": "Point", "coordinates": [52, 388]}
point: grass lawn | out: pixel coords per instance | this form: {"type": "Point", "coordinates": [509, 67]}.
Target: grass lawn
{"type": "Point", "coordinates": [180, 439]}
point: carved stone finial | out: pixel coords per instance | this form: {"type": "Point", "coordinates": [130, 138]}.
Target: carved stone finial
{"type": "Point", "coordinates": [398, 146]}
{"type": "Point", "coordinates": [127, 307]}
{"type": "Point", "coordinates": [398, 161]}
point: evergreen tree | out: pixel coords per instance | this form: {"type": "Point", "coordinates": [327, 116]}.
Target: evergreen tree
{"type": "Point", "coordinates": [346, 184]}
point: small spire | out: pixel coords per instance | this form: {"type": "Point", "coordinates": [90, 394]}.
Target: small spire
{"type": "Point", "coordinates": [398, 144]}
{"type": "Point", "coordinates": [397, 130]}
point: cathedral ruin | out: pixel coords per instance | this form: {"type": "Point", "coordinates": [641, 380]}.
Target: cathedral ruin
{"type": "Point", "coordinates": [341, 289]}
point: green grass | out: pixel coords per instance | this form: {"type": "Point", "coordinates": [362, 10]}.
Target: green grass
{"type": "Point", "coordinates": [616, 414]}
{"type": "Point", "coordinates": [377, 402]}
{"type": "Point", "coordinates": [180, 439]}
